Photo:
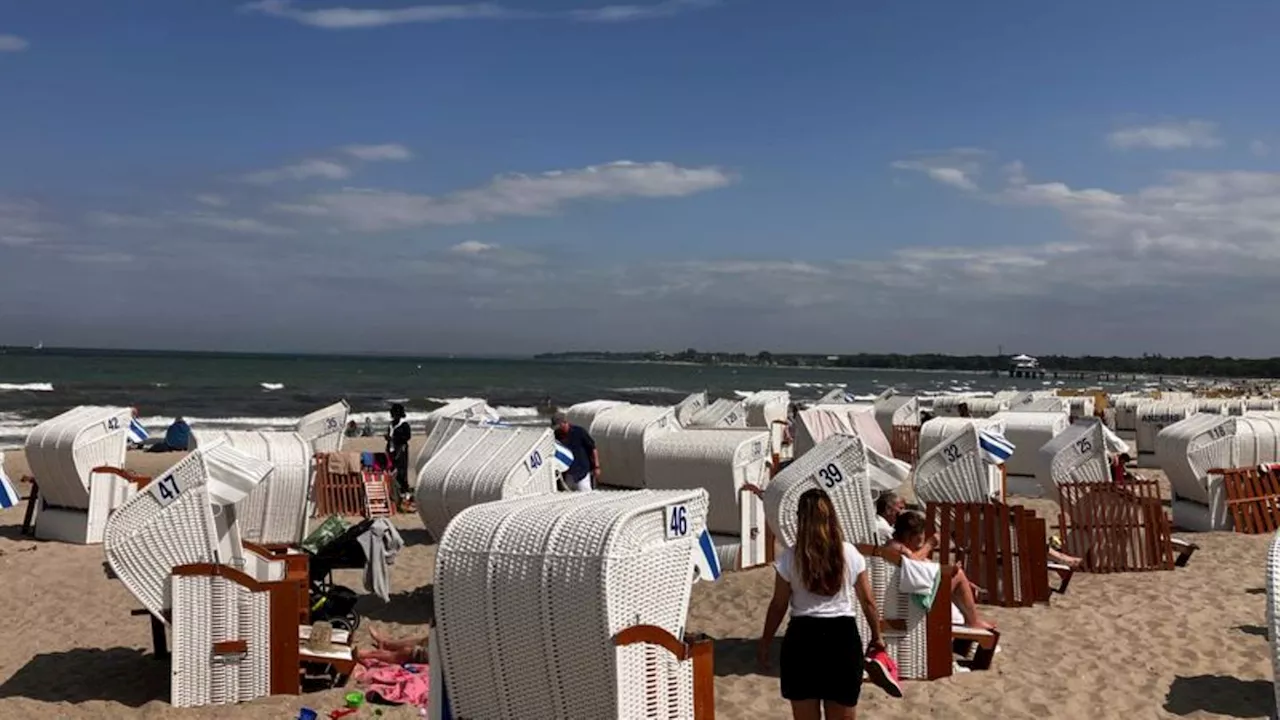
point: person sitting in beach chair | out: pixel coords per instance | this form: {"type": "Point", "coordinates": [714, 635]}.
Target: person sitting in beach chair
{"type": "Point", "coordinates": [911, 539]}
{"type": "Point", "coordinates": [353, 430]}
{"type": "Point", "coordinates": [176, 439]}
{"type": "Point", "coordinates": [888, 507]}
{"type": "Point", "coordinates": [394, 652]}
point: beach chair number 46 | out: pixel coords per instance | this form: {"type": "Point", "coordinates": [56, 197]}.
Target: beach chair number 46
{"type": "Point", "coordinates": [677, 519]}
{"type": "Point", "coordinates": [830, 476]}
{"type": "Point", "coordinates": [166, 490]}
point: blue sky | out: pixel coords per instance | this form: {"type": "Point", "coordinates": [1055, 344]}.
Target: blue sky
{"type": "Point", "coordinates": [816, 175]}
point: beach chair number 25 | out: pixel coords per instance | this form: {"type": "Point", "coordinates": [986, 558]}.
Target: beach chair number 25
{"type": "Point", "coordinates": [167, 490]}
{"type": "Point", "coordinates": [677, 518]}
{"type": "Point", "coordinates": [1083, 445]}
{"type": "Point", "coordinates": [830, 475]}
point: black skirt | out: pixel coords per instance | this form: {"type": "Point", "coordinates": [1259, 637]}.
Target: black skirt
{"type": "Point", "coordinates": [822, 659]}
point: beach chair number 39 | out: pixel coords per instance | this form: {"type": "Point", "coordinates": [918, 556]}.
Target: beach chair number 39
{"type": "Point", "coordinates": [830, 475]}
{"type": "Point", "coordinates": [677, 517]}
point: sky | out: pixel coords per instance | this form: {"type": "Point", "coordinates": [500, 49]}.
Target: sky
{"type": "Point", "coordinates": [536, 175]}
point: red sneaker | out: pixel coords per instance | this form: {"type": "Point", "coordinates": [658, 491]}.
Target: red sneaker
{"type": "Point", "coordinates": [884, 672]}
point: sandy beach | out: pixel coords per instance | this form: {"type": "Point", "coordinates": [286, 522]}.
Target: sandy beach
{"type": "Point", "coordinates": [1188, 643]}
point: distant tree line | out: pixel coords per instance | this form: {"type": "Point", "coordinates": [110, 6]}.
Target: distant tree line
{"type": "Point", "coordinates": [1203, 366]}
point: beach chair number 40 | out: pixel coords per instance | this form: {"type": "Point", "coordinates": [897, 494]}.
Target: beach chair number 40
{"type": "Point", "coordinates": [830, 476]}
{"type": "Point", "coordinates": [677, 519]}
{"type": "Point", "coordinates": [535, 460]}
{"type": "Point", "coordinates": [166, 490]}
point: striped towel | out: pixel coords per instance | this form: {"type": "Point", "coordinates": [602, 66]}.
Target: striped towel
{"type": "Point", "coordinates": [564, 458]}
{"type": "Point", "coordinates": [705, 559]}
{"type": "Point", "coordinates": [137, 433]}
{"type": "Point", "coordinates": [995, 448]}
{"type": "Point", "coordinates": [8, 494]}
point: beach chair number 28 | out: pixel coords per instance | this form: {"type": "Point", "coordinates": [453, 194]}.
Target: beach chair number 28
{"type": "Point", "coordinates": [830, 476]}
{"type": "Point", "coordinates": [677, 519]}
{"type": "Point", "coordinates": [166, 490]}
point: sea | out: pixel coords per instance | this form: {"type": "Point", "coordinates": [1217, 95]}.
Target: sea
{"type": "Point", "coordinates": [245, 392]}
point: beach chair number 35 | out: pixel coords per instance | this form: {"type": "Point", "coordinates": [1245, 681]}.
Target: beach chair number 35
{"type": "Point", "coordinates": [677, 517]}
{"type": "Point", "coordinates": [167, 490]}
{"type": "Point", "coordinates": [830, 475]}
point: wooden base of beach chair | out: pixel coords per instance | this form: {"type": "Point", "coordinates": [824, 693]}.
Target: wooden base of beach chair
{"type": "Point", "coordinates": [986, 642]}
{"type": "Point", "coordinates": [334, 665]}
{"type": "Point", "coordinates": [1064, 573]}
{"type": "Point", "coordinates": [699, 649]}
{"type": "Point", "coordinates": [1185, 550]}
{"type": "Point", "coordinates": [29, 518]}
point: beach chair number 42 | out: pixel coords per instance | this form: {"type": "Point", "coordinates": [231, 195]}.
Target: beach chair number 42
{"type": "Point", "coordinates": [113, 424]}
{"type": "Point", "coordinates": [677, 519]}
{"type": "Point", "coordinates": [166, 490]}
{"type": "Point", "coordinates": [830, 476]}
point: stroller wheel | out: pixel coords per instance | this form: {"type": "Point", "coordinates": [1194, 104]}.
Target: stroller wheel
{"type": "Point", "coordinates": [349, 622]}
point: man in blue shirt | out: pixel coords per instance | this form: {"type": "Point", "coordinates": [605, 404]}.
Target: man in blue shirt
{"type": "Point", "coordinates": [585, 470]}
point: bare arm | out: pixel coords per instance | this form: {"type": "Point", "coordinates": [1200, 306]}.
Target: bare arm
{"type": "Point", "coordinates": [869, 609]}
{"type": "Point", "coordinates": [773, 618]}
{"type": "Point", "coordinates": [922, 554]}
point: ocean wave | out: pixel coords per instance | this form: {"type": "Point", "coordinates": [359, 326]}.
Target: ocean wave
{"type": "Point", "coordinates": [271, 386]}
{"type": "Point", "coordinates": [508, 411]}
{"type": "Point", "coordinates": [646, 389]}
{"type": "Point", "coordinates": [26, 387]}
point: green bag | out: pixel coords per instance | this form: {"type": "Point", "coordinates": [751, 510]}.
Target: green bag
{"type": "Point", "coordinates": [328, 531]}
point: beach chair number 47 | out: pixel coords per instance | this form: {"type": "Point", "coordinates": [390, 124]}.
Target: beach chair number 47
{"type": "Point", "coordinates": [166, 490]}
{"type": "Point", "coordinates": [677, 519]}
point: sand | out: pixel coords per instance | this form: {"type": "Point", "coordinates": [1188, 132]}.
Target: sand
{"type": "Point", "coordinates": [1186, 643]}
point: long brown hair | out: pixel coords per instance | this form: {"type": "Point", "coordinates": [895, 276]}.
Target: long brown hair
{"type": "Point", "coordinates": [819, 544]}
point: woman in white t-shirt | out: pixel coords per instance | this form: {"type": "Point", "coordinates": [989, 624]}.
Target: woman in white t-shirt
{"type": "Point", "coordinates": [822, 653]}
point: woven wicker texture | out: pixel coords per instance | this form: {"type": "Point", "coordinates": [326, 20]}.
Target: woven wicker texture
{"type": "Point", "coordinates": [949, 406]}
{"type": "Point", "coordinates": [954, 472]}
{"type": "Point", "coordinates": [1188, 449]}
{"type": "Point", "coordinates": [1077, 454]}
{"type": "Point", "coordinates": [173, 522]}
{"type": "Point", "coordinates": [1273, 611]}
{"type": "Point", "coordinates": [718, 461]}
{"type": "Point", "coordinates": [767, 407]}
{"type": "Point", "coordinates": [276, 510]}
{"type": "Point", "coordinates": [938, 429]}
{"type": "Point", "coordinates": [1029, 431]}
{"type": "Point", "coordinates": [325, 428]}
{"type": "Point", "coordinates": [621, 434]}
{"type": "Point", "coordinates": [530, 592]}
{"type": "Point", "coordinates": [690, 406]}
{"type": "Point", "coordinates": [207, 610]}
{"type": "Point", "coordinates": [62, 450]}
{"type": "Point", "coordinates": [583, 414]}
{"type": "Point", "coordinates": [897, 410]}
{"type": "Point", "coordinates": [481, 464]}
{"type": "Point", "coordinates": [1156, 416]}
{"type": "Point", "coordinates": [721, 413]}
{"type": "Point", "coordinates": [463, 408]}
{"type": "Point", "coordinates": [838, 466]}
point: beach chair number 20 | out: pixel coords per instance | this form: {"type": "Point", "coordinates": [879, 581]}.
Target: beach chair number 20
{"type": "Point", "coordinates": [677, 517]}
{"type": "Point", "coordinates": [830, 475]}
{"type": "Point", "coordinates": [167, 490]}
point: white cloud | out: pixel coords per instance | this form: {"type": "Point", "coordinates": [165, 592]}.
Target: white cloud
{"type": "Point", "coordinates": [471, 247]}
{"type": "Point", "coordinates": [301, 209]}
{"type": "Point", "coordinates": [211, 200]}
{"type": "Point", "coordinates": [21, 217]}
{"type": "Point", "coordinates": [123, 220]}
{"type": "Point", "coordinates": [376, 153]}
{"type": "Point", "coordinates": [238, 225]}
{"type": "Point", "coordinates": [1167, 135]}
{"type": "Point", "coordinates": [956, 168]}
{"type": "Point", "coordinates": [345, 18]}
{"type": "Point", "coordinates": [112, 258]}
{"type": "Point", "coordinates": [628, 13]}
{"type": "Point", "coordinates": [13, 43]}
{"type": "Point", "coordinates": [517, 195]}
{"type": "Point", "coordinates": [1259, 148]}
{"type": "Point", "coordinates": [18, 240]}
{"type": "Point", "coordinates": [305, 170]}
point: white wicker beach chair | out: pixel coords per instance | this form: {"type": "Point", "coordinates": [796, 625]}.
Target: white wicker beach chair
{"type": "Point", "coordinates": [278, 509]}
{"type": "Point", "coordinates": [325, 428]}
{"type": "Point", "coordinates": [767, 407]}
{"type": "Point", "coordinates": [463, 408]}
{"type": "Point", "coordinates": [933, 432]}
{"type": "Point", "coordinates": [1188, 449]}
{"type": "Point", "coordinates": [719, 461]}
{"type": "Point", "coordinates": [838, 466]}
{"type": "Point", "coordinates": [1273, 611]}
{"type": "Point", "coordinates": [62, 452]}
{"type": "Point", "coordinates": [897, 410]}
{"type": "Point", "coordinates": [818, 422]}
{"type": "Point", "coordinates": [953, 471]}
{"type": "Point", "coordinates": [481, 464]}
{"type": "Point", "coordinates": [979, 407]}
{"type": "Point", "coordinates": [622, 433]}
{"type": "Point", "coordinates": [1028, 431]}
{"type": "Point", "coordinates": [725, 412]}
{"type": "Point", "coordinates": [531, 593]}
{"type": "Point", "coordinates": [1153, 417]}
{"type": "Point", "coordinates": [690, 406]}
{"type": "Point", "coordinates": [583, 414]}
{"type": "Point", "coordinates": [440, 434]}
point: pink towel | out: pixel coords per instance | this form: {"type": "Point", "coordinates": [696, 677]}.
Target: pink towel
{"type": "Point", "coordinates": [393, 683]}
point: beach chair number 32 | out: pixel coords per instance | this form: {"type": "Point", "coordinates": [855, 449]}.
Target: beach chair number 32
{"type": "Point", "coordinates": [167, 490]}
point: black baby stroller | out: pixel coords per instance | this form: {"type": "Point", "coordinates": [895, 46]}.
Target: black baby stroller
{"type": "Point", "coordinates": [333, 548]}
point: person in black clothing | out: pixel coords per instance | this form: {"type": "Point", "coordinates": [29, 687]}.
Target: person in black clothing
{"type": "Point", "coordinates": [398, 434]}
{"type": "Point", "coordinates": [585, 470]}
